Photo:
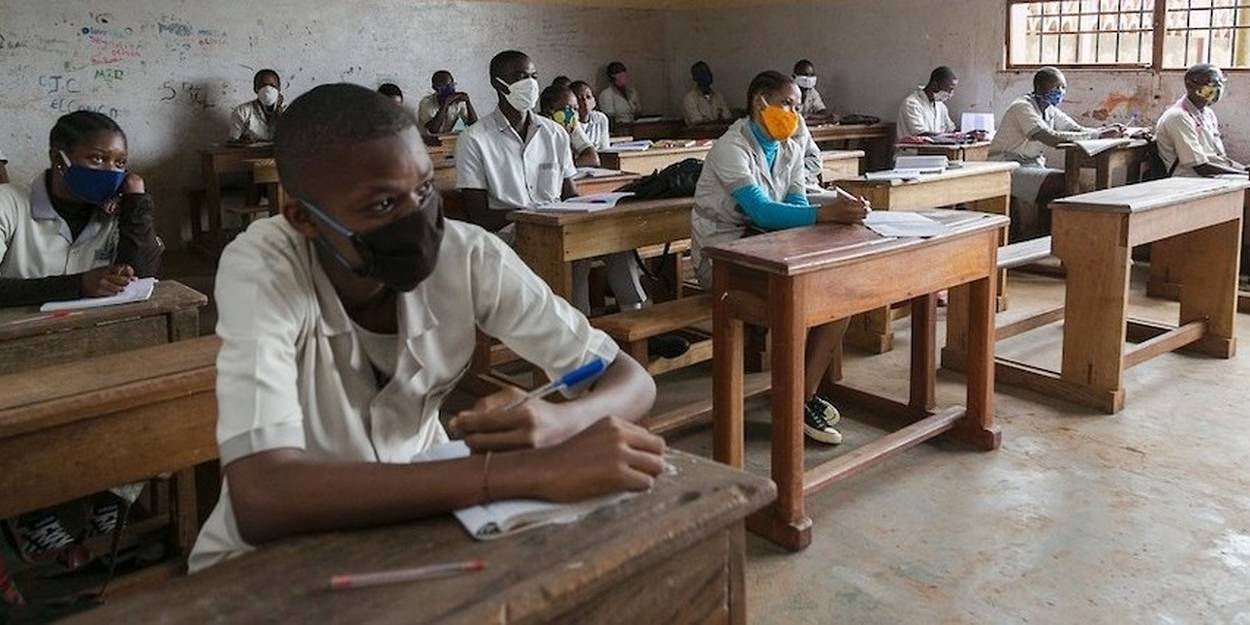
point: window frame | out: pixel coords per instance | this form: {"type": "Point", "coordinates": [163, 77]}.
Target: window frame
{"type": "Point", "coordinates": [1158, 36]}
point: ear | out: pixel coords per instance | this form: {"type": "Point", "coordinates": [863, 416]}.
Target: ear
{"type": "Point", "coordinates": [298, 217]}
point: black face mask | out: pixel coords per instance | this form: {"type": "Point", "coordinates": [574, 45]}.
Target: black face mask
{"type": "Point", "coordinates": [400, 254]}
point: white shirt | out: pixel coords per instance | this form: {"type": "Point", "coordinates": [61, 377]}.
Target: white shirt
{"type": "Point", "coordinates": [917, 116]}
{"type": "Point", "coordinates": [598, 131]}
{"type": "Point", "coordinates": [253, 117]}
{"type": "Point", "coordinates": [3, 158]}
{"type": "Point", "coordinates": [1014, 140]}
{"type": "Point", "coordinates": [579, 141]}
{"type": "Point", "coordinates": [35, 241]}
{"type": "Point", "coordinates": [812, 102]}
{"type": "Point", "coordinates": [515, 173]}
{"type": "Point", "coordinates": [813, 162]}
{"type": "Point", "coordinates": [621, 108]}
{"type": "Point", "coordinates": [292, 372]}
{"type": "Point", "coordinates": [428, 107]}
{"type": "Point", "coordinates": [701, 109]}
{"type": "Point", "coordinates": [1192, 136]}
{"type": "Point", "coordinates": [735, 161]}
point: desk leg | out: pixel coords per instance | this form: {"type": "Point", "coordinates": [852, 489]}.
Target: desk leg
{"type": "Point", "coordinates": [955, 352]}
{"type": "Point", "coordinates": [997, 206]}
{"type": "Point", "coordinates": [212, 203]}
{"type": "Point", "coordinates": [923, 348]}
{"type": "Point", "coordinates": [543, 250]}
{"type": "Point", "coordinates": [1164, 281]}
{"type": "Point", "coordinates": [185, 510]}
{"type": "Point", "coordinates": [1096, 306]}
{"type": "Point", "coordinates": [737, 574]}
{"type": "Point", "coordinates": [1102, 173]}
{"type": "Point", "coordinates": [978, 428]}
{"type": "Point", "coordinates": [1072, 171]}
{"type": "Point", "coordinates": [785, 522]}
{"type": "Point", "coordinates": [1208, 270]}
{"type": "Point", "coordinates": [727, 383]}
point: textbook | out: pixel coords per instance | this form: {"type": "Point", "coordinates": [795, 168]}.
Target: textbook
{"type": "Point", "coordinates": [1094, 147]}
{"type": "Point", "coordinates": [641, 145]}
{"type": "Point", "coordinates": [935, 164]}
{"type": "Point", "coordinates": [498, 519]}
{"type": "Point", "coordinates": [137, 291]}
{"type": "Point", "coordinates": [594, 172]}
{"type": "Point", "coordinates": [585, 203]}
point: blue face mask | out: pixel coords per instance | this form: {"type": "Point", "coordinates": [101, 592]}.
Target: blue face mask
{"type": "Point", "coordinates": [1054, 97]}
{"type": "Point", "coordinates": [93, 186]}
{"type": "Point", "coordinates": [446, 91]}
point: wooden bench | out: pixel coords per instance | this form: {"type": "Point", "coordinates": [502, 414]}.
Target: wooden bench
{"type": "Point", "coordinates": [633, 328]}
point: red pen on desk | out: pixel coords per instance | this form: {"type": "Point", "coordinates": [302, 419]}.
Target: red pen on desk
{"type": "Point", "coordinates": [60, 314]}
{"type": "Point", "coordinates": [398, 576]}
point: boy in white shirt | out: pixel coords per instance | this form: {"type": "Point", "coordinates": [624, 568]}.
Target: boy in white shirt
{"type": "Point", "coordinates": [347, 320]}
{"type": "Point", "coordinates": [1188, 133]}
{"type": "Point", "coordinates": [924, 112]}
{"type": "Point", "coordinates": [256, 121]}
{"type": "Point", "coordinates": [439, 112]}
{"type": "Point", "coordinates": [703, 104]}
{"type": "Point", "coordinates": [813, 107]}
{"type": "Point", "coordinates": [619, 101]}
{"type": "Point", "coordinates": [595, 123]}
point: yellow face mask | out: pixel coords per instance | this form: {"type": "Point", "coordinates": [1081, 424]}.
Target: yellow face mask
{"type": "Point", "coordinates": [779, 122]}
{"type": "Point", "coordinates": [1211, 92]}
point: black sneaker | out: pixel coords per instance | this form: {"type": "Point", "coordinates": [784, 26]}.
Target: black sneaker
{"type": "Point", "coordinates": [668, 346]}
{"type": "Point", "coordinates": [819, 416]}
{"type": "Point", "coordinates": [104, 517]}
{"type": "Point", "coordinates": [42, 536]}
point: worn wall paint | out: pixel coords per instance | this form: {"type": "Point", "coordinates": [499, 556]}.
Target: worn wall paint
{"type": "Point", "coordinates": [170, 70]}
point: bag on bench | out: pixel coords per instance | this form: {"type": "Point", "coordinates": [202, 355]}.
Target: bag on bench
{"type": "Point", "coordinates": [676, 180]}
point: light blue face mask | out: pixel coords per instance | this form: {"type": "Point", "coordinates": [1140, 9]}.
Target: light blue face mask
{"type": "Point", "coordinates": [1054, 97]}
{"type": "Point", "coordinates": [93, 186]}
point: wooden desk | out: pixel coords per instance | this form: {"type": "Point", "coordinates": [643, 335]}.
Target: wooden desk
{"type": "Point", "coordinates": [28, 339]}
{"type": "Point", "coordinates": [652, 160]}
{"type": "Point", "coordinates": [215, 161]}
{"type": "Point", "coordinates": [445, 174]}
{"type": "Point", "coordinates": [840, 164]}
{"type": "Point", "coordinates": [652, 129]}
{"type": "Point", "coordinates": [605, 184]}
{"type": "Point", "coordinates": [977, 151]}
{"type": "Point", "coordinates": [1164, 280]}
{"type": "Point", "coordinates": [797, 279]}
{"type": "Point", "coordinates": [984, 187]}
{"type": "Point", "coordinates": [1130, 157]}
{"type": "Point", "coordinates": [107, 421]}
{"type": "Point", "coordinates": [876, 139]}
{"type": "Point", "coordinates": [1094, 235]}
{"type": "Point", "coordinates": [671, 555]}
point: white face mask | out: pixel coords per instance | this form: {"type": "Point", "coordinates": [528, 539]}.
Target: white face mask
{"type": "Point", "coordinates": [268, 95]}
{"type": "Point", "coordinates": [523, 94]}
{"type": "Point", "coordinates": [805, 82]}
{"type": "Point", "coordinates": [943, 96]}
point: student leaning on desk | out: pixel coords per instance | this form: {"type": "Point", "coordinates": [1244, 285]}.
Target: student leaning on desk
{"type": "Point", "coordinates": [337, 357]}
{"type": "Point", "coordinates": [752, 181]}
{"type": "Point", "coordinates": [83, 228]}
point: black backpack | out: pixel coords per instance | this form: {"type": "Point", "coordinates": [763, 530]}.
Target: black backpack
{"type": "Point", "coordinates": [676, 180]}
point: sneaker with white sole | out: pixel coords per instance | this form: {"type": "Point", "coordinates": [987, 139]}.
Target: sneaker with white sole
{"type": "Point", "coordinates": [42, 536]}
{"type": "Point", "coordinates": [819, 417]}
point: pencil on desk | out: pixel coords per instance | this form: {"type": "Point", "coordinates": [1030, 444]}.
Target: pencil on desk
{"type": "Point", "coordinates": [399, 576]}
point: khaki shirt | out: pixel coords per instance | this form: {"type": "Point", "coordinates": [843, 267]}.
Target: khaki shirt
{"type": "Point", "coordinates": [812, 102]}
{"type": "Point", "coordinates": [252, 117]}
{"type": "Point", "coordinates": [1014, 140]}
{"type": "Point", "coordinates": [35, 242]}
{"type": "Point", "coordinates": [623, 109]}
{"type": "Point", "coordinates": [293, 372]}
{"type": "Point", "coordinates": [427, 109]}
{"type": "Point", "coordinates": [1192, 137]}
{"type": "Point", "coordinates": [917, 116]}
{"type": "Point", "coordinates": [701, 109]}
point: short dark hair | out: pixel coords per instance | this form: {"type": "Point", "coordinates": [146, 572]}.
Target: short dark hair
{"type": "Point", "coordinates": [699, 65]}
{"type": "Point", "coordinates": [562, 81]}
{"type": "Point", "coordinates": [941, 74]}
{"type": "Point", "coordinates": [266, 72]}
{"type": "Point", "coordinates": [1200, 74]}
{"type": "Point", "coordinates": [578, 85]}
{"type": "Point", "coordinates": [329, 117]}
{"type": "Point", "coordinates": [766, 83]}
{"type": "Point", "coordinates": [616, 67]}
{"type": "Point", "coordinates": [549, 96]}
{"type": "Point", "coordinates": [76, 127]}
{"type": "Point", "coordinates": [504, 58]}
{"type": "Point", "coordinates": [442, 72]}
{"type": "Point", "coordinates": [391, 90]}
{"type": "Point", "coordinates": [1046, 77]}
{"type": "Point", "coordinates": [801, 64]}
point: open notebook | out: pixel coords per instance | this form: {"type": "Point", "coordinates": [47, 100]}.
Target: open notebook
{"type": "Point", "coordinates": [504, 518]}
{"type": "Point", "coordinates": [137, 291]}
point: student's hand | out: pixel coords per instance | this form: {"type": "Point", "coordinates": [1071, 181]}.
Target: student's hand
{"type": "Point", "coordinates": [979, 135]}
{"type": "Point", "coordinates": [133, 184]}
{"type": "Point", "coordinates": [1113, 131]}
{"type": "Point", "coordinates": [536, 423]}
{"type": "Point", "coordinates": [844, 211]}
{"type": "Point", "coordinates": [106, 280]}
{"type": "Point", "coordinates": [459, 96]}
{"type": "Point", "coordinates": [608, 457]}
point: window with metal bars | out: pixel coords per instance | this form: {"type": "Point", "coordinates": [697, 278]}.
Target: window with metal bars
{"type": "Point", "coordinates": [1129, 34]}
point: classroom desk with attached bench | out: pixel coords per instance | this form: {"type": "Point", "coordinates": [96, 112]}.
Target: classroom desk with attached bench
{"type": "Point", "coordinates": [794, 280]}
{"type": "Point", "coordinates": [673, 555]}
{"type": "Point", "coordinates": [215, 161]}
{"type": "Point", "coordinates": [840, 164]}
{"type": "Point", "coordinates": [975, 151]}
{"type": "Point", "coordinates": [1130, 157]}
{"type": "Point", "coordinates": [651, 160]}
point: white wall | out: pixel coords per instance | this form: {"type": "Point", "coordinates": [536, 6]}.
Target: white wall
{"type": "Point", "coordinates": [170, 71]}
{"type": "Point", "coordinates": [869, 54]}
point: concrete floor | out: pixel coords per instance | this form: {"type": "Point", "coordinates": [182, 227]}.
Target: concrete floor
{"type": "Point", "coordinates": [1080, 517]}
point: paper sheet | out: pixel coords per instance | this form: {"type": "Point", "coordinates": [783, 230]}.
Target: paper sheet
{"type": "Point", "coordinates": [977, 121]}
{"type": "Point", "coordinates": [138, 291]}
{"type": "Point", "coordinates": [628, 146]}
{"type": "Point", "coordinates": [1094, 147]}
{"type": "Point", "coordinates": [904, 224]}
{"type": "Point", "coordinates": [586, 203]}
{"type": "Point", "coordinates": [893, 174]}
{"type": "Point", "coordinates": [594, 172]}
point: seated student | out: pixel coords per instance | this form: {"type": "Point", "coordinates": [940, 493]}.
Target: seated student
{"type": "Point", "coordinates": [703, 104]}
{"type": "Point", "coordinates": [515, 160]}
{"type": "Point", "coordinates": [4, 171]}
{"type": "Point", "coordinates": [392, 91]}
{"type": "Point", "coordinates": [559, 104]}
{"type": "Point", "coordinates": [813, 108]}
{"type": "Point", "coordinates": [561, 81]}
{"type": "Point", "coordinates": [83, 228]}
{"type": "Point", "coordinates": [924, 112]}
{"type": "Point", "coordinates": [1031, 124]}
{"type": "Point", "coordinates": [619, 101]}
{"type": "Point", "coordinates": [334, 364]}
{"type": "Point", "coordinates": [439, 112]}
{"type": "Point", "coordinates": [1188, 133]}
{"type": "Point", "coordinates": [256, 121]}
{"type": "Point", "coordinates": [752, 180]}
{"type": "Point", "coordinates": [595, 123]}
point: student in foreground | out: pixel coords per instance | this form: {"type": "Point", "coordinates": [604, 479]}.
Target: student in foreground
{"type": "Point", "coordinates": [1031, 124]}
{"type": "Point", "coordinates": [595, 123]}
{"type": "Point", "coordinates": [83, 228]}
{"type": "Point", "coordinates": [560, 105]}
{"type": "Point", "coordinates": [441, 111]}
{"type": "Point", "coordinates": [256, 121]}
{"type": "Point", "coordinates": [620, 101]}
{"type": "Point", "coordinates": [335, 360]}
{"type": "Point", "coordinates": [924, 112]}
{"type": "Point", "coordinates": [752, 181]}
{"type": "Point", "coordinates": [1188, 133]}
{"type": "Point", "coordinates": [703, 104]}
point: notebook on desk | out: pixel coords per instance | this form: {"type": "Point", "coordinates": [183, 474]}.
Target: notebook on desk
{"type": "Point", "coordinates": [137, 291]}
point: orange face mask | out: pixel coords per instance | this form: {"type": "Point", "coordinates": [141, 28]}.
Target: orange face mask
{"type": "Point", "coordinates": [779, 122]}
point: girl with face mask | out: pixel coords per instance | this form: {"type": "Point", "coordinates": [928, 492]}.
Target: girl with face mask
{"type": "Point", "coordinates": [753, 181]}
{"type": "Point", "coordinates": [82, 228]}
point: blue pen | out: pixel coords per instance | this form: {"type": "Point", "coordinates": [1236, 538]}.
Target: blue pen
{"type": "Point", "coordinates": [586, 372]}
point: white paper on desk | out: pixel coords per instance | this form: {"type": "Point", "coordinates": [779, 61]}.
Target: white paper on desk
{"type": "Point", "coordinates": [504, 518]}
{"type": "Point", "coordinates": [894, 174]}
{"type": "Point", "coordinates": [977, 121]}
{"type": "Point", "coordinates": [594, 172]}
{"type": "Point", "coordinates": [926, 164]}
{"type": "Point", "coordinates": [1094, 147]}
{"type": "Point", "coordinates": [137, 291]}
{"type": "Point", "coordinates": [904, 224]}
{"type": "Point", "coordinates": [628, 146]}
{"type": "Point", "coordinates": [586, 203]}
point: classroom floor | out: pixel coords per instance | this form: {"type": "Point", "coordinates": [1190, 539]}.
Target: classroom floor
{"type": "Point", "coordinates": [1080, 517]}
